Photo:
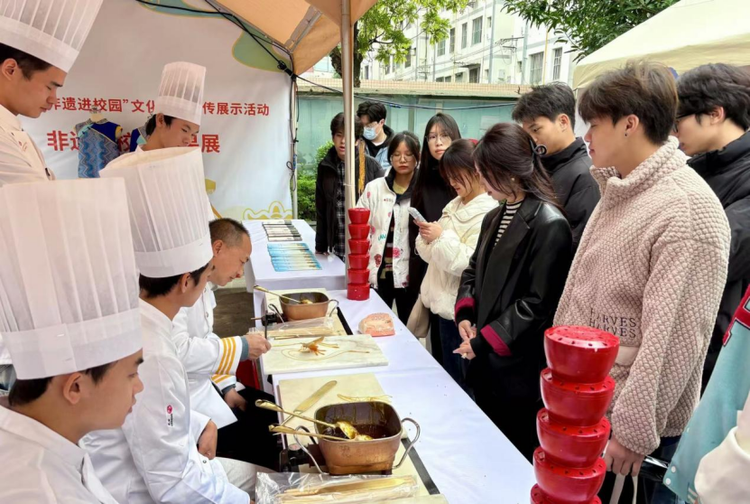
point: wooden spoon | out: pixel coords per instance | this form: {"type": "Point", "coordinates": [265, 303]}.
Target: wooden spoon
{"type": "Point", "coordinates": [348, 429]}
{"type": "Point", "coordinates": [263, 289]}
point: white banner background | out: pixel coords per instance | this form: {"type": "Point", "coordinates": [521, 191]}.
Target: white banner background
{"type": "Point", "coordinates": [122, 61]}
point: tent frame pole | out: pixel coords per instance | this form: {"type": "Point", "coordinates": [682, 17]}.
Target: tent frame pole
{"type": "Point", "coordinates": [347, 63]}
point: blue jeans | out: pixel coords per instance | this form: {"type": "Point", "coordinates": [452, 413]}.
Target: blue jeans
{"type": "Point", "coordinates": [450, 339]}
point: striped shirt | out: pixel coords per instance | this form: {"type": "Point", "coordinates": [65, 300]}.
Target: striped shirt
{"type": "Point", "coordinates": [510, 211]}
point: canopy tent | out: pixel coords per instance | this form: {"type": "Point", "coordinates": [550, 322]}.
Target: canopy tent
{"type": "Point", "coordinates": [308, 29]}
{"type": "Point", "coordinates": [688, 34]}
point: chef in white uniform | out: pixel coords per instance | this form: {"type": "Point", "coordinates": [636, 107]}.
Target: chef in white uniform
{"type": "Point", "coordinates": [35, 57]}
{"type": "Point", "coordinates": [165, 451]}
{"type": "Point", "coordinates": [39, 42]}
{"type": "Point", "coordinates": [211, 362]}
{"type": "Point", "coordinates": [73, 330]}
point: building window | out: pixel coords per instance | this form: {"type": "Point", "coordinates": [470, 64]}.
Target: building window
{"type": "Point", "coordinates": [487, 75]}
{"type": "Point", "coordinates": [464, 35]}
{"type": "Point", "coordinates": [408, 59]}
{"type": "Point", "coordinates": [535, 70]}
{"type": "Point", "coordinates": [474, 75]}
{"type": "Point", "coordinates": [440, 79]}
{"type": "Point", "coordinates": [460, 77]}
{"type": "Point", "coordinates": [489, 22]}
{"type": "Point", "coordinates": [556, 63]}
{"type": "Point", "coordinates": [367, 72]}
{"type": "Point", "coordinates": [441, 48]}
{"type": "Point", "coordinates": [476, 33]}
{"type": "Point", "coordinates": [448, 79]}
{"type": "Point", "coordinates": [452, 39]}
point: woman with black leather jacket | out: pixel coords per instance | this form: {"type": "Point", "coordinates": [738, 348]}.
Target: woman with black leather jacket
{"type": "Point", "coordinates": [509, 292]}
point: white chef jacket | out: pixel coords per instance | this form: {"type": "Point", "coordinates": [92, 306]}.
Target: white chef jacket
{"type": "Point", "coordinates": [154, 457]}
{"type": "Point", "coordinates": [20, 159]}
{"type": "Point", "coordinates": [206, 357]}
{"type": "Point", "coordinates": [41, 466]}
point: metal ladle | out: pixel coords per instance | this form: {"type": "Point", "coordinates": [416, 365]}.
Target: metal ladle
{"type": "Point", "coordinates": [263, 289]}
{"type": "Point", "coordinates": [348, 429]}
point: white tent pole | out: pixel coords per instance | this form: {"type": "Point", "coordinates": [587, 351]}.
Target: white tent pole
{"type": "Point", "coordinates": [347, 64]}
{"type": "Point", "coordinates": [293, 122]}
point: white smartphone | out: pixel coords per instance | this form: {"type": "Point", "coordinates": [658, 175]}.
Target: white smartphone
{"type": "Point", "coordinates": [417, 216]}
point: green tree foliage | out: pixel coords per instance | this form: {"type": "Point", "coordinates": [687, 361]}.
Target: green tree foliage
{"type": "Point", "coordinates": [383, 26]}
{"type": "Point", "coordinates": [587, 24]}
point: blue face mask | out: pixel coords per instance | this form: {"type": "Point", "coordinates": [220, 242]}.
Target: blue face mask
{"type": "Point", "coordinates": [370, 133]}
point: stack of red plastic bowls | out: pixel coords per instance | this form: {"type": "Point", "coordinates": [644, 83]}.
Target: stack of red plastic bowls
{"type": "Point", "coordinates": [359, 254]}
{"type": "Point", "coordinates": [573, 432]}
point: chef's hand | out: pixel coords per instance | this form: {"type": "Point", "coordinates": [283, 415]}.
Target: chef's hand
{"type": "Point", "coordinates": [235, 400]}
{"type": "Point", "coordinates": [465, 350]}
{"type": "Point", "coordinates": [467, 330]}
{"type": "Point", "coordinates": [430, 231]}
{"type": "Point", "coordinates": [257, 345]}
{"type": "Point", "coordinates": [621, 460]}
{"type": "Point", "coordinates": [208, 439]}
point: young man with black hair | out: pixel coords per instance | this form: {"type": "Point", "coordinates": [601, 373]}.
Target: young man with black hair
{"type": "Point", "coordinates": [72, 330]}
{"type": "Point", "coordinates": [330, 232]}
{"type": "Point", "coordinates": [166, 451]}
{"type": "Point", "coordinates": [39, 42]}
{"type": "Point", "coordinates": [712, 122]}
{"type": "Point", "coordinates": [547, 113]}
{"type": "Point", "coordinates": [376, 134]}
{"type": "Point", "coordinates": [211, 362]}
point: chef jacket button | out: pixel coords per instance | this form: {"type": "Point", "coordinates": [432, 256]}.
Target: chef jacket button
{"type": "Point", "coordinates": [668, 481]}
{"type": "Point", "coordinates": [206, 314]}
{"type": "Point", "coordinates": [205, 460]}
{"type": "Point", "coordinates": [674, 469]}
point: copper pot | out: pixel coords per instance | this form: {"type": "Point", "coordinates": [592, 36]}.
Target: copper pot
{"type": "Point", "coordinates": [377, 419]}
{"type": "Point", "coordinates": [311, 305]}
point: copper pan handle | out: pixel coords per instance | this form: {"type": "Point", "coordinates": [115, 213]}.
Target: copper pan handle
{"type": "Point", "coordinates": [411, 442]}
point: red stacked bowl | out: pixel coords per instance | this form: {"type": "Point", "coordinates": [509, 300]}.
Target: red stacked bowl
{"type": "Point", "coordinates": [538, 497]}
{"type": "Point", "coordinates": [577, 391]}
{"type": "Point", "coordinates": [566, 485]}
{"type": "Point", "coordinates": [359, 254]}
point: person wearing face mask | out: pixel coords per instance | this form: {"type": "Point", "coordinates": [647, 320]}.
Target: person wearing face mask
{"type": "Point", "coordinates": [72, 329]}
{"type": "Point", "coordinates": [430, 195]}
{"type": "Point", "coordinates": [376, 134]}
{"type": "Point", "coordinates": [548, 114]}
{"type": "Point", "coordinates": [211, 362]}
{"type": "Point", "coordinates": [388, 199]}
{"type": "Point", "coordinates": [39, 42]}
{"type": "Point", "coordinates": [511, 287]}
{"type": "Point", "coordinates": [448, 244]}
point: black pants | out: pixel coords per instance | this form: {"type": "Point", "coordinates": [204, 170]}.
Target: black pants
{"type": "Point", "coordinates": [436, 342]}
{"type": "Point", "coordinates": [516, 418]}
{"type": "Point", "coordinates": [248, 438]}
{"type": "Point", "coordinates": [651, 489]}
{"type": "Point", "coordinates": [404, 299]}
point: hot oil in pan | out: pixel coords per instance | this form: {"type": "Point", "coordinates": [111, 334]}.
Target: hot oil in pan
{"type": "Point", "coordinates": [374, 431]}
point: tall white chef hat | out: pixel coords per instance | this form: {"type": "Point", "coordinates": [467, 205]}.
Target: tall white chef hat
{"type": "Point", "coordinates": [181, 91]}
{"type": "Point", "coordinates": [52, 30]}
{"type": "Point", "coordinates": [167, 197]}
{"type": "Point", "coordinates": [68, 280]}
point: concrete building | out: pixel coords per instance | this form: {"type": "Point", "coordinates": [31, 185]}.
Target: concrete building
{"type": "Point", "coordinates": [485, 45]}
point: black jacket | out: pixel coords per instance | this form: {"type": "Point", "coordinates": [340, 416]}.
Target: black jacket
{"type": "Point", "coordinates": [576, 190]}
{"type": "Point", "coordinates": [326, 191]}
{"type": "Point", "coordinates": [511, 291]}
{"type": "Point", "coordinates": [727, 171]}
{"type": "Point", "coordinates": [430, 201]}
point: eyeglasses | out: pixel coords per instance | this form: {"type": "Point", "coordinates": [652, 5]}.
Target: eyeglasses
{"type": "Point", "coordinates": [406, 155]}
{"type": "Point", "coordinates": [678, 119]}
{"type": "Point", "coordinates": [444, 138]}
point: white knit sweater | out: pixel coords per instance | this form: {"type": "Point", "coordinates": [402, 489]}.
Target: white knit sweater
{"type": "Point", "coordinates": [651, 269]}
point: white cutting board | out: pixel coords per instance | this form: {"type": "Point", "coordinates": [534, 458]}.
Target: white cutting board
{"type": "Point", "coordinates": [359, 350]}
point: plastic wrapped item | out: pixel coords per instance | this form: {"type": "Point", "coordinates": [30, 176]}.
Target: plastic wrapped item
{"type": "Point", "coordinates": [298, 488]}
{"type": "Point", "coordinates": [323, 326]}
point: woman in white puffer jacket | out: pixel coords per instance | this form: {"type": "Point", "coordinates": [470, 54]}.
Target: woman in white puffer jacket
{"type": "Point", "coordinates": [447, 245]}
{"type": "Point", "coordinates": [388, 199]}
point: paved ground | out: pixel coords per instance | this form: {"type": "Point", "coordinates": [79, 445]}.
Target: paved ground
{"type": "Point", "coordinates": [234, 309]}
